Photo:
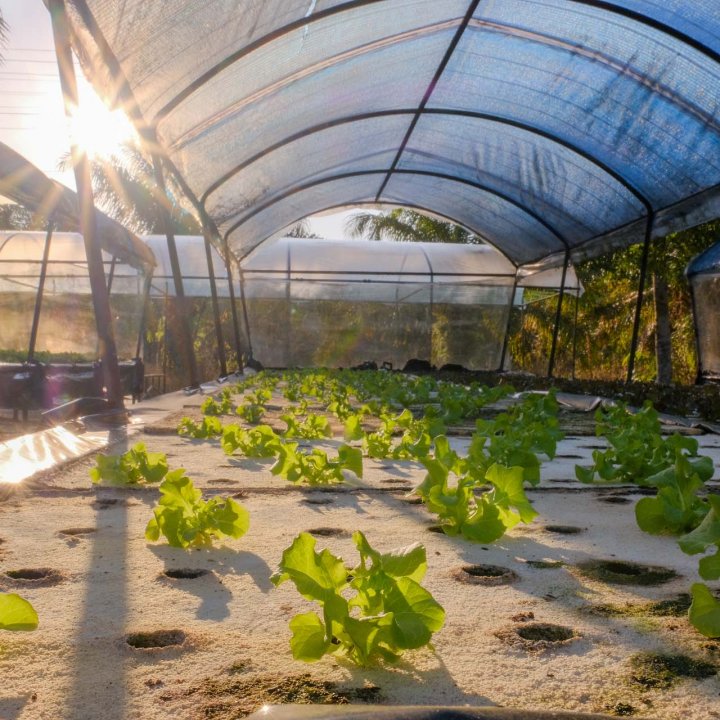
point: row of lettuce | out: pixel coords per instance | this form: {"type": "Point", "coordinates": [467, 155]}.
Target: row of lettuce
{"type": "Point", "coordinates": [477, 495]}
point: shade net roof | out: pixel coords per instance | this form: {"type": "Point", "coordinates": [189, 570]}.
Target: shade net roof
{"type": "Point", "coordinates": [706, 263]}
{"type": "Point", "coordinates": [541, 125]}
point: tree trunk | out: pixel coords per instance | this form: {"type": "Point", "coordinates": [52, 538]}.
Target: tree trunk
{"type": "Point", "coordinates": [663, 331]}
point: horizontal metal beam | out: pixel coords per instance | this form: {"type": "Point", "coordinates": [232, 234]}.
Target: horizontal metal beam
{"type": "Point", "coordinates": [422, 173]}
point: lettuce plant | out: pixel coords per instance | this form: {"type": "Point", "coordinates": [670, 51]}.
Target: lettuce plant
{"type": "Point", "coordinates": [16, 613]}
{"type": "Point", "coordinates": [135, 467]}
{"type": "Point", "coordinates": [209, 427]}
{"type": "Point", "coordinates": [186, 520]}
{"type": "Point", "coordinates": [389, 613]}
{"type": "Point", "coordinates": [315, 468]}
{"type": "Point", "coordinates": [260, 441]}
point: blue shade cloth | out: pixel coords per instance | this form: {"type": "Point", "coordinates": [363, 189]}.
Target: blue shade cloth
{"type": "Point", "coordinates": [541, 125]}
{"type": "Point", "coordinates": [707, 263]}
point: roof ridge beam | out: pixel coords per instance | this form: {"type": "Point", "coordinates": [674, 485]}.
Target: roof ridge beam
{"type": "Point", "coordinates": [429, 91]}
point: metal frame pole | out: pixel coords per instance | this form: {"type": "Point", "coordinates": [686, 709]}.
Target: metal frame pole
{"type": "Point", "coordinates": [506, 339]}
{"type": "Point", "coordinates": [558, 313]}
{"type": "Point", "coordinates": [241, 278]}
{"type": "Point", "coordinates": [83, 181]}
{"type": "Point", "coordinates": [641, 293]}
{"type": "Point", "coordinates": [575, 327]}
{"type": "Point", "coordinates": [180, 299]}
{"type": "Point", "coordinates": [696, 333]}
{"type": "Point", "coordinates": [233, 308]}
{"type": "Point", "coordinates": [216, 308]}
{"type": "Point", "coordinates": [143, 313]}
{"type": "Point", "coordinates": [40, 291]}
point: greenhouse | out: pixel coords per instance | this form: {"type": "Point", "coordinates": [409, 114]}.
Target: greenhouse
{"type": "Point", "coordinates": [252, 472]}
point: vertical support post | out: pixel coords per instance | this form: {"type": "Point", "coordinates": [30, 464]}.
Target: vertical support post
{"type": "Point", "coordinates": [698, 352]}
{"type": "Point", "coordinates": [143, 313]}
{"type": "Point", "coordinates": [216, 308]}
{"type": "Point", "coordinates": [246, 319]}
{"type": "Point", "coordinates": [558, 313]}
{"type": "Point", "coordinates": [233, 308]}
{"type": "Point", "coordinates": [111, 275]}
{"type": "Point", "coordinates": [506, 339]}
{"type": "Point", "coordinates": [81, 167]}
{"type": "Point", "coordinates": [641, 292]}
{"type": "Point", "coordinates": [186, 339]}
{"type": "Point", "coordinates": [288, 299]}
{"type": "Point", "coordinates": [40, 292]}
{"type": "Point", "coordinates": [575, 325]}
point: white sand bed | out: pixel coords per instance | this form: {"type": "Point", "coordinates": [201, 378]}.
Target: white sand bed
{"type": "Point", "coordinates": [110, 582]}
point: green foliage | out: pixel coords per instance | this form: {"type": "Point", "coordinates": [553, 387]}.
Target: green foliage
{"type": "Point", "coordinates": [16, 613]}
{"type": "Point", "coordinates": [314, 467]}
{"type": "Point", "coordinates": [706, 535]}
{"type": "Point", "coordinates": [461, 511]}
{"type": "Point", "coordinates": [254, 408]}
{"type": "Point", "coordinates": [676, 508]}
{"type": "Point", "coordinates": [704, 611]}
{"type": "Point", "coordinates": [389, 613]}
{"type": "Point", "coordinates": [186, 520]}
{"type": "Point", "coordinates": [209, 427]}
{"type": "Point", "coordinates": [311, 428]}
{"type": "Point", "coordinates": [260, 441]}
{"type": "Point", "coordinates": [135, 467]}
{"type": "Point", "coordinates": [637, 449]}
{"type": "Point", "coordinates": [221, 405]}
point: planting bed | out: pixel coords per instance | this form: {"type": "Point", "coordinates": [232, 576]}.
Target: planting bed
{"type": "Point", "coordinates": [578, 610]}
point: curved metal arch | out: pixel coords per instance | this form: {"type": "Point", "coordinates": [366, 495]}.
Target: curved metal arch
{"type": "Point", "coordinates": [372, 203]}
{"type": "Point", "coordinates": [423, 173]}
{"type": "Point", "coordinates": [348, 6]}
{"type": "Point", "coordinates": [433, 111]}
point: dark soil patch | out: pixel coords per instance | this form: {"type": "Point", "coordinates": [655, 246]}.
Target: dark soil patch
{"type": "Point", "coordinates": [105, 503]}
{"type": "Point", "coordinates": [545, 564]}
{"type": "Point", "coordinates": [412, 500]}
{"type": "Point", "coordinates": [330, 532]}
{"type": "Point", "coordinates": [537, 637]}
{"type": "Point", "coordinates": [615, 499]}
{"type": "Point", "coordinates": [651, 670]}
{"type": "Point", "coordinates": [618, 572]}
{"type": "Point", "coordinates": [487, 575]}
{"type": "Point", "coordinates": [32, 577]}
{"type": "Point", "coordinates": [231, 697]}
{"type": "Point", "coordinates": [78, 531]}
{"type": "Point", "coordinates": [672, 607]}
{"type": "Point", "coordinates": [156, 639]}
{"type": "Point", "coordinates": [317, 501]}
{"type": "Point", "coordinates": [563, 529]}
{"type": "Point", "coordinates": [395, 481]}
{"type": "Point", "coordinates": [185, 573]}
{"type": "Point", "coordinates": [621, 709]}
{"type": "Point", "coordinates": [545, 632]}
{"type": "Point", "coordinates": [225, 481]}
{"type": "Point", "coordinates": [436, 529]}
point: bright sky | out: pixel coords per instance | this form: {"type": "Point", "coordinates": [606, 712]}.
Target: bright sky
{"type": "Point", "coordinates": [32, 117]}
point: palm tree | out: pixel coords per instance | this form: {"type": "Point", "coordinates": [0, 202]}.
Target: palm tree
{"type": "Point", "coordinates": [124, 187]}
{"type": "Point", "coordinates": [404, 225]}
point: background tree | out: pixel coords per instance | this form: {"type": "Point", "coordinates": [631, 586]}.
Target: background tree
{"type": "Point", "coordinates": [404, 225]}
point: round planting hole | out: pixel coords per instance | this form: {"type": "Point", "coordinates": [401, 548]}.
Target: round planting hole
{"type": "Point", "coordinates": [225, 481]}
{"type": "Point", "coordinates": [156, 639]}
{"type": "Point", "coordinates": [619, 572]}
{"type": "Point", "coordinates": [34, 576]}
{"type": "Point", "coordinates": [395, 481]}
{"type": "Point", "coordinates": [412, 500]}
{"type": "Point", "coordinates": [545, 632]}
{"type": "Point", "coordinates": [615, 500]}
{"type": "Point", "coordinates": [185, 573]}
{"type": "Point", "coordinates": [329, 532]}
{"type": "Point", "coordinates": [317, 501]}
{"type": "Point", "coordinates": [104, 503]}
{"type": "Point", "coordinates": [75, 532]}
{"type": "Point", "coordinates": [436, 529]}
{"type": "Point", "coordinates": [563, 529]}
{"type": "Point", "coordinates": [488, 575]}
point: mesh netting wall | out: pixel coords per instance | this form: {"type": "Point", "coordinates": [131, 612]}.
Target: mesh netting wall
{"type": "Point", "coordinates": [706, 293]}
{"type": "Point", "coordinates": [294, 331]}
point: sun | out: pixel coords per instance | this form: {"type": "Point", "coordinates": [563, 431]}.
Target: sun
{"type": "Point", "coordinates": [97, 130]}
